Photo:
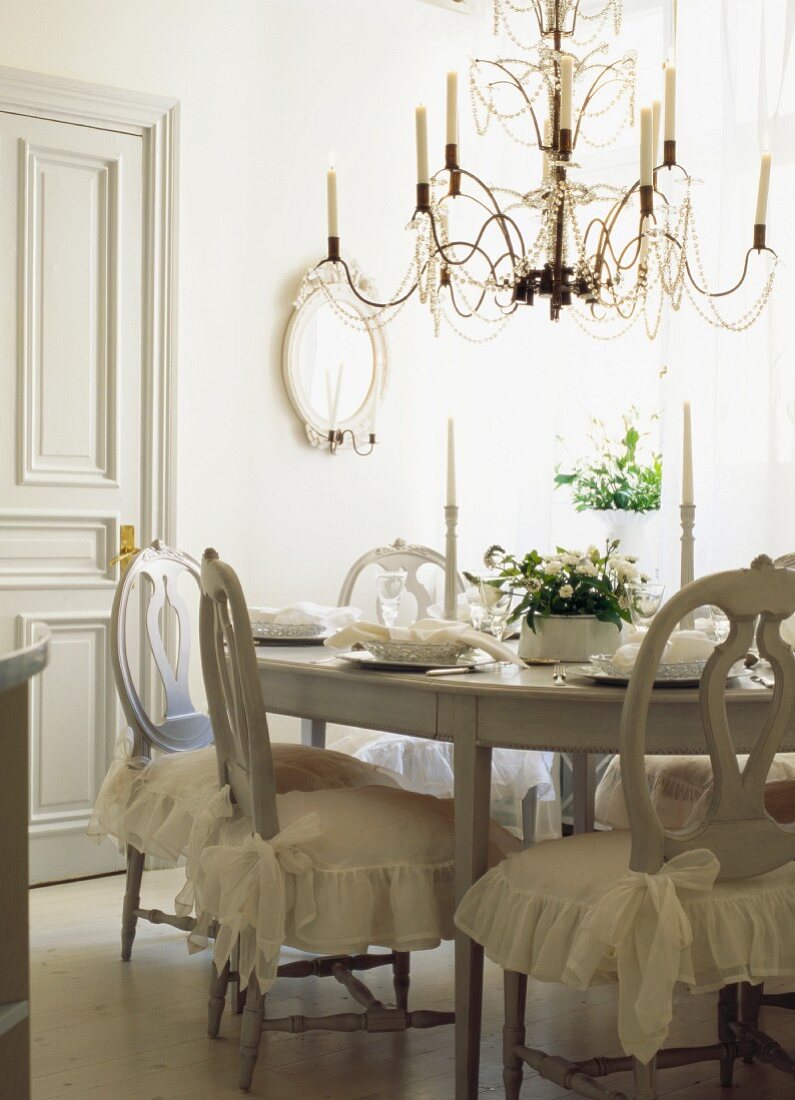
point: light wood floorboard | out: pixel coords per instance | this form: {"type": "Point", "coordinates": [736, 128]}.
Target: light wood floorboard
{"type": "Point", "coordinates": [107, 1030]}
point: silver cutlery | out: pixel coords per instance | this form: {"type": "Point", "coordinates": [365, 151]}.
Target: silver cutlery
{"type": "Point", "coordinates": [559, 674]}
{"type": "Point", "coordinates": [765, 683]}
{"type": "Point", "coordinates": [455, 670]}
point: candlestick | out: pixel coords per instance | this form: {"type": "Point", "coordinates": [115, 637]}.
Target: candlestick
{"type": "Point", "coordinates": [687, 513]}
{"type": "Point", "coordinates": [566, 92]}
{"type": "Point", "coordinates": [646, 164]}
{"type": "Point", "coordinates": [451, 563]}
{"type": "Point", "coordinates": [764, 187]}
{"type": "Point", "coordinates": [656, 111]}
{"type": "Point", "coordinates": [688, 496]}
{"type": "Point", "coordinates": [670, 100]}
{"type": "Point", "coordinates": [451, 494]}
{"type": "Point", "coordinates": [331, 202]}
{"type": "Point", "coordinates": [421, 122]}
{"type": "Point", "coordinates": [452, 108]}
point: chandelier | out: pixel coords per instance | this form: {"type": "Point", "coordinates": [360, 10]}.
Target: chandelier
{"type": "Point", "coordinates": [607, 254]}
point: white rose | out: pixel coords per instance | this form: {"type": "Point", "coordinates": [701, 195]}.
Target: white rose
{"type": "Point", "coordinates": [554, 567]}
{"type": "Point", "coordinates": [566, 591]}
{"type": "Point", "coordinates": [626, 571]}
{"type": "Point", "coordinates": [587, 569]}
{"type": "Point", "coordinates": [571, 558]}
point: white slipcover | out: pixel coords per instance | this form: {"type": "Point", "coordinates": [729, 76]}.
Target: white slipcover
{"type": "Point", "coordinates": [680, 787]}
{"type": "Point", "coordinates": [570, 911]}
{"type": "Point", "coordinates": [348, 870]}
{"type": "Point", "coordinates": [152, 805]}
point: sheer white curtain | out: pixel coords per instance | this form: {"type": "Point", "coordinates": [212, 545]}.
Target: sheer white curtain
{"type": "Point", "coordinates": [736, 87]}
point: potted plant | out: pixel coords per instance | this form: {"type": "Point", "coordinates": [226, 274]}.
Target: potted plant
{"type": "Point", "coordinates": [573, 604]}
{"type": "Point", "coordinates": [621, 481]}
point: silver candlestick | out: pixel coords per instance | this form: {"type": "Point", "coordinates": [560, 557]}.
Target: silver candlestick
{"type": "Point", "coordinates": [451, 563]}
{"type": "Point", "coordinates": [687, 513]}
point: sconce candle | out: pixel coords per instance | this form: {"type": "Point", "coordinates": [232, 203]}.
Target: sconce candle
{"type": "Point", "coordinates": [452, 108]}
{"type": "Point", "coordinates": [764, 187]}
{"type": "Point", "coordinates": [421, 121]}
{"type": "Point", "coordinates": [331, 199]}
{"type": "Point", "coordinates": [566, 92]}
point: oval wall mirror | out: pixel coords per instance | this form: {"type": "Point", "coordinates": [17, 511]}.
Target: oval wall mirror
{"type": "Point", "coordinates": [333, 353]}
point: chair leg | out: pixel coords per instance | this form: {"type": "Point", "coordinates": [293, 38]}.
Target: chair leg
{"type": "Point", "coordinates": [529, 805]}
{"type": "Point", "coordinates": [238, 994]}
{"type": "Point", "coordinates": [515, 986]}
{"type": "Point", "coordinates": [400, 978]}
{"type": "Point", "coordinates": [132, 900]}
{"type": "Point", "coordinates": [217, 1000]}
{"type": "Point", "coordinates": [645, 1079]}
{"type": "Point", "coordinates": [750, 1003]}
{"type": "Point", "coordinates": [728, 1014]}
{"type": "Point", "coordinates": [251, 1032]}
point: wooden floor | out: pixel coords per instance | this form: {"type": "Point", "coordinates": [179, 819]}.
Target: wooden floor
{"type": "Point", "coordinates": [107, 1030]}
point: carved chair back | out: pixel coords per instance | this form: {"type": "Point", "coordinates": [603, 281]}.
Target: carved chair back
{"type": "Point", "coordinates": [737, 828]}
{"type": "Point", "coordinates": [785, 561]}
{"type": "Point", "coordinates": [400, 555]}
{"type": "Point", "coordinates": [234, 697]}
{"type": "Point", "coordinates": [182, 726]}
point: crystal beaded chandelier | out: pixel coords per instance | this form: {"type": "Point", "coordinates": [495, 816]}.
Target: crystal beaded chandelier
{"type": "Point", "coordinates": [609, 255]}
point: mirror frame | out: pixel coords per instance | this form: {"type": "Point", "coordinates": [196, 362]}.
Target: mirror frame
{"type": "Point", "coordinates": [311, 297]}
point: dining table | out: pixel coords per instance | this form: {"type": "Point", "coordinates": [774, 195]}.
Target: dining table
{"type": "Point", "coordinates": [479, 711]}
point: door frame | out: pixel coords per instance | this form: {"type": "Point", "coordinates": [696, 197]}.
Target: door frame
{"type": "Point", "coordinates": [156, 120]}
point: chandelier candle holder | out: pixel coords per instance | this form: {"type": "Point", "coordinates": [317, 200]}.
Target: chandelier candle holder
{"type": "Point", "coordinates": [609, 255]}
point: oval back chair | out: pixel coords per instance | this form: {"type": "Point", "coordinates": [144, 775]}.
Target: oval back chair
{"type": "Point", "coordinates": [399, 555]}
{"type": "Point", "coordinates": [182, 726]}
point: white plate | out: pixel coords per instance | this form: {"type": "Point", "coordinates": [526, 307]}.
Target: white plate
{"type": "Point", "coordinates": [367, 660]}
{"type": "Point", "coordinates": [600, 677]}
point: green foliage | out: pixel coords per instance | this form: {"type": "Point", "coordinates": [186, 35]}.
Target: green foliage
{"type": "Point", "coordinates": [568, 582]}
{"type": "Point", "coordinates": [616, 477]}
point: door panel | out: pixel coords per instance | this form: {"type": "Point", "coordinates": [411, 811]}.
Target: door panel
{"type": "Point", "coordinates": [70, 468]}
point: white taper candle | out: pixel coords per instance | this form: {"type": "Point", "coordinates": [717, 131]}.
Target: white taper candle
{"type": "Point", "coordinates": [670, 100]}
{"type": "Point", "coordinates": [331, 202]}
{"type": "Point", "coordinates": [645, 147]}
{"type": "Point", "coordinates": [451, 493]}
{"type": "Point", "coordinates": [566, 91]}
{"type": "Point", "coordinates": [452, 108]}
{"type": "Point", "coordinates": [764, 187]}
{"type": "Point", "coordinates": [688, 496]}
{"type": "Point", "coordinates": [421, 121]}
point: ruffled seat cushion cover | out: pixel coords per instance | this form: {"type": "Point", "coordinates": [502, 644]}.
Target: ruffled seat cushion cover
{"type": "Point", "coordinates": [152, 805]}
{"type": "Point", "coordinates": [537, 914]}
{"type": "Point", "coordinates": [680, 788]}
{"type": "Point", "coordinates": [348, 870]}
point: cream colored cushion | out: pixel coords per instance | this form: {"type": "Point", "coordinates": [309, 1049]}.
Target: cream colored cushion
{"type": "Point", "coordinates": [531, 914]}
{"type": "Point", "coordinates": [348, 869]}
{"type": "Point", "coordinates": [152, 805]}
{"type": "Point", "coordinates": [680, 788]}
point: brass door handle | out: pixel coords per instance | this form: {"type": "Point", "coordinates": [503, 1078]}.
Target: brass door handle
{"type": "Point", "coordinates": [127, 547]}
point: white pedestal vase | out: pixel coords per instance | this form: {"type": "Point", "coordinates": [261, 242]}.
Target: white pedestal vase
{"type": "Point", "coordinates": [634, 530]}
{"type": "Point", "coordinates": [568, 638]}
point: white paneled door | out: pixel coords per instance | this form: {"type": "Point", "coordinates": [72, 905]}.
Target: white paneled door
{"type": "Point", "coordinates": [70, 449]}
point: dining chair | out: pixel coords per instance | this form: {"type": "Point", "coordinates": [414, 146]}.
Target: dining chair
{"type": "Point", "coordinates": [329, 872]}
{"type": "Point", "coordinates": [147, 805]}
{"type": "Point", "coordinates": [427, 766]}
{"type": "Point", "coordinates": [710, 905]}
{"type": "Point", "coordinates": [680, 786]}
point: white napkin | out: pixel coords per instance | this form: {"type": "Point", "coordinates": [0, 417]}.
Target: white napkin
{"type": "Point", "coordinates": [683, 645]}
{"type": "Point", "coordinates": [305, 613]}
{"type": "Point", "coordinates": [424, 630]}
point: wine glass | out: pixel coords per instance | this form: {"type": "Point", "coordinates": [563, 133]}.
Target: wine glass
{"type": "Point", "coordinates": [644, 602]}
{"type": "Point", "coordinates": [498, 597]}
{"type": "Point", "coordinates": [390, 584]}
{"type": "Point", "coordinates": [477, 611]}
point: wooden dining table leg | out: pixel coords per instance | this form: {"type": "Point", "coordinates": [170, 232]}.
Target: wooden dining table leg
{"type": "Point", "coordinates": [313, 733]}
{"type": "Point", "coordinates": [584, 791]}
{"type": "Point", "coordinates": [472, 796]}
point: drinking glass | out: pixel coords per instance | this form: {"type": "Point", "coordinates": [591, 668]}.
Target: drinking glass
{"type": "Point", "coordinates": [498, 597]}
{"type": "Point", "coordinates": [390, 584]}
{"type": "Point", "coordinates": [644, 602]}
{"type": "Point", "coordinates": [477, 612]}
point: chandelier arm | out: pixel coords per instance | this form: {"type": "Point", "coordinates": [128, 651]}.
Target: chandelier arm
{"type": "Point", "coordinates": [473, 311]}
{"type": "Point", "coordinates": [592, 92]}
{"type": "Point", "coordinates": [368, 301]}
{"type": "Point", "coordinates": [609, 223]}
{"type": "Point", "coordinates": [498, 214]}
{"type": "Point", "coordinates": [718, 293]}
{"type": "Point", "coordinates": [516, 83]}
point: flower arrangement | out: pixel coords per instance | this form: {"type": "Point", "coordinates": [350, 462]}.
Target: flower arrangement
{"type": "Point", "coordinates": [616, 477]}
{"type": "Point", "coordinates": [569, 582]}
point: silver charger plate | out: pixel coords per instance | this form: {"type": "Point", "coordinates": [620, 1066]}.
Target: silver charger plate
{"type": "Point", "coordinates": [367, 660]}
{"type": "Point", "coordinates": [268, 633]}
{"type": "Point", "coordinates": [599, 676]}
{"type": "Point", "coordinates": [319, 640]}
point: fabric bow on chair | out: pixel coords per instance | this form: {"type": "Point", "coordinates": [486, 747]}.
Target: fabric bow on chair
{"type": "Point", "coordinates": [245, 888]}
{"type": "Point", "coordinates": [640, 922]}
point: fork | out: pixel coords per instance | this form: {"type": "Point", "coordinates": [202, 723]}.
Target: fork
{"type": "Point", "coordinates": [559, 675]}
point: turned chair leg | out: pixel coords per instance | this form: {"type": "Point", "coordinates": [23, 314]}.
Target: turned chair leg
{"type": "Point", "coordinates": [238, 993]}
{"type": "Point", "coordinates": [515, 986]}
{"type": "Point", "coordinates": [750, 1003]}
{"type": "Point", "coordinates": [645, 1079]}
{"type": "Point", "coordinates": [217, 999]}
{"type": "Point", "coordinates": [728, 1014]}
{"type": "Point", "coordinates": [132, 900]}
{"type": "Point", "coordinates": [251, 1032]}
{"type": "Point", "coordinates": [400, 978]}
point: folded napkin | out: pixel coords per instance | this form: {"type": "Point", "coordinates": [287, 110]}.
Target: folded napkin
{"type": "Point", "coordinates": [424, 630]}
{"type": "Point", "coordinates": [305, 613]}
{"type": "Point", "coordinates": [683, 645]}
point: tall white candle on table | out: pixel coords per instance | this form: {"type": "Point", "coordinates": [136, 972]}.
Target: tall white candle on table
{"type": "Point", "coordinates": [331, 202]}
{"type": "Point", "coordinates": [688, 496]}
{"type": "Point", "coordinates": [566, 91]}
{"type": "Point", "coordinates": [452, 108]}
{"type": "Point", "coordinates": [451, 495]}
{"type": "Point", "coordinates": [764, 187]}
{"type": "Point", "coordinates": [645, 147]}
{"type": "Point", "coordinates": [421, 122]}
{"type": "Point", "coordinates": [670, 100]}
